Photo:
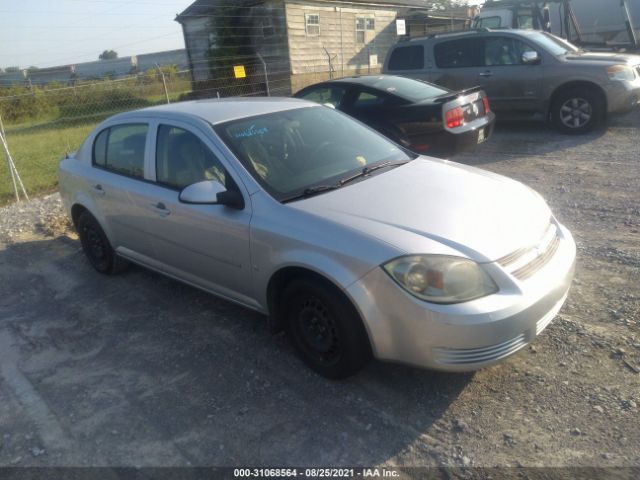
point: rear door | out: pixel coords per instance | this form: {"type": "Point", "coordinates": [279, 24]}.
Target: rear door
{"type": "Point", "coordinates": [511, 85]}
{"type": "Point", "coordinates": [409, 61]}
{"type": "Point", "coordinates": [118, 184]}
{"type": "Point", "coordinates": [457, 63]}
{"type": "Point", "coordinates": [377, 109]}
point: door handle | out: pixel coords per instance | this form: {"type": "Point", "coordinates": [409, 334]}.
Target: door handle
{"type": "Point", "coordinates": [486, 74]}
{"type": "Point", "coordinates": [98, 189]}
{"type": "Point", "coordinates": [160, 209]}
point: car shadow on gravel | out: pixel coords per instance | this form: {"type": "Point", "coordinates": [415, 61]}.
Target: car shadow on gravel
{"type": "Point", "coordinates": [524, 138]}
{"type": "Point", "coordinates": [139, 369]}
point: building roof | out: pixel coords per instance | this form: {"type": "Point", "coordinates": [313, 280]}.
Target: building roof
{"type": "Point", "coordinates": [203, 7]}
{"type": "Point", "coordinates": [220, 110]}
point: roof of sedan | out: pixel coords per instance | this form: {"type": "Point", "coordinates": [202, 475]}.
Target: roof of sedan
{"type": "Point", "coordinates": [368, 80]}
{"type": "Point", "coordinates": [222, 110]}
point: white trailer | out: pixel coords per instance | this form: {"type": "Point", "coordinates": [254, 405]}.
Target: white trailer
{"type": "Point", "coordinates": [590, 23]}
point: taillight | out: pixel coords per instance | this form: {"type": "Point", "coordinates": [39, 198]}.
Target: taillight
{"type": "Point", "coordinates": [485, 103]}
{"type": "Point", "coordinates": [454, 117]}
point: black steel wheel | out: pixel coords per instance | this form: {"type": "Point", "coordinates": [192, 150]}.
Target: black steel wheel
{"type": "Point", "coordinates": [325, 328]}
{"type": "Point", "coordinates": [96, 246]}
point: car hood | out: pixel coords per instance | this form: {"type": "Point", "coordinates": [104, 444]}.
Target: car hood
{"type": "Point", "coordinates": [479, 214]}
{"type": "Point", "coordinates": [603, 57]}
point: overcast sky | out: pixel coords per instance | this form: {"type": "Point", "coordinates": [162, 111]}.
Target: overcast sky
{"type": "Point", "coordinates": [46, 33]}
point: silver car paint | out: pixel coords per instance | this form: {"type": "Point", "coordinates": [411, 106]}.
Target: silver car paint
{"type": "Point", "coordinates": [426, 206]}
{"type": "Point", "coordinates": [528, 87]}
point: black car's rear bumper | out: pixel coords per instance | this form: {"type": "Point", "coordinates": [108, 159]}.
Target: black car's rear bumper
{"type": "Point", "coordinates": [447, 143]}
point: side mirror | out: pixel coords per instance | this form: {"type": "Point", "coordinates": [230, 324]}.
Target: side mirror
{"type": "Point", "coordinates": [211, 192]}
{"type": "Point", "coordinates": [530, 57]}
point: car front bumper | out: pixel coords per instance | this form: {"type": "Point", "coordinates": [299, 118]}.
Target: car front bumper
{"type": "Point", "coordinates": [465, 336]}
{"type": "Point", "coordinates": [622, 97]}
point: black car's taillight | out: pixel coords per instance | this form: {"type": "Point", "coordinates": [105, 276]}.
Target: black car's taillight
{"type": "Point", "coordinates": [454, 118]}
{"type": "Point", "coordinates": [485, 104]}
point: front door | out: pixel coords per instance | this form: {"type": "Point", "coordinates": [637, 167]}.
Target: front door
{"type": "Point", "coordinates": [511, 85]}
{"type": "Point", "coordinates": [206, 245]}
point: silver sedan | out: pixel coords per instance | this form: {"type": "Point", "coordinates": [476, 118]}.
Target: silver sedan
{"type": "Point", "coordinates": [354, 246]}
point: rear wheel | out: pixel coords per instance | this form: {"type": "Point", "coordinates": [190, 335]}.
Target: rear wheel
{"type": "Point", "coordinates": [325, 329]}
{"type": "Point", "coordinates": [96, 246]}
{"type": "Point", "coordinates": [577, 111]}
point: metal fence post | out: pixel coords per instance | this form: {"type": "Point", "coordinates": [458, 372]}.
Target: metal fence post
{"type": "Point", "coordinates": [266, 76]}
{"type": "Point", "coordinates": [164, 83]}
{"type": "Point", "coordinates": [15, 176]}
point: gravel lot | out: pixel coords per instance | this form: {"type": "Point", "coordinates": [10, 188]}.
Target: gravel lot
{"type": "Point", "coordinates": [139, 370]}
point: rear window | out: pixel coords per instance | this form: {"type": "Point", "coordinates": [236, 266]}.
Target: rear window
{"type": "Point", "coordinates": [407, 58]}
{"type": "Point", "coordinates": [457, 53]}
{"type": "Point", "coordinates": [408, 88]}
{"type": "Point", "coordinates": [121, 149]}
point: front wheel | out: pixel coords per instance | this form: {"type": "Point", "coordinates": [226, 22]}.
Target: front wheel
{"type": "Point", "coordinates": [96, 246]}
{"type": "Point", "coordinates": [325, 329]}
{"type": "Point", "coordinates": [577, 111]}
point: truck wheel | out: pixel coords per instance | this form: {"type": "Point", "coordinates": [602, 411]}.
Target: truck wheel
{"type": "Point", "coordinates": [96, 246]}
{"type": "Point", "coordinates": [577, 111]}
{"type": "Point", "coordinates": [325, 329]}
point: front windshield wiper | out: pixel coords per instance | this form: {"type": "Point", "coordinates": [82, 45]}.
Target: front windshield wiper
{"type": "Point", "coordinates": [367, 170]}
{"type": "Point", "coordinates": [311, 191]}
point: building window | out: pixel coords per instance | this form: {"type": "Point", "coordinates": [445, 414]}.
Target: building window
{"type": "Point", "coordinates": [364, 25]}
{"type": "Point", "coordinates": [268, 30]}
{"type": "Point", "coordinates": [312, 24]}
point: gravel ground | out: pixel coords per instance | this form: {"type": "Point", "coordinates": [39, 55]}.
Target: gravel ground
{"type": "Point", "coordinates": [140, 370]}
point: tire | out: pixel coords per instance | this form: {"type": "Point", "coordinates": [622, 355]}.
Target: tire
{"type": "Point", "coordinates": [325, 329]}
{"type": "Point", "coordinates": [96, 246]}
{"type": "Point", "coordinates": [577, 111]}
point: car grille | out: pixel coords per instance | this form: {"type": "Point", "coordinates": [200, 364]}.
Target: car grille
{"type": "Point", "coordinates": [525, 262]}
{"type": "Point", "coordinates": [469, 356]}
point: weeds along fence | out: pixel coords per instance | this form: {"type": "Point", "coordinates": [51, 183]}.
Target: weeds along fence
{"type": "Point", "coordinates": [43, 123]}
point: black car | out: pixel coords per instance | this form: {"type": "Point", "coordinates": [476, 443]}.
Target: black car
{"type": "Point", "coordinates": [425, 118]}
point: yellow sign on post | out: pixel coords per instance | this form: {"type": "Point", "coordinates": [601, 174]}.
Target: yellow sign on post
{"type": "Point", "coordinates": [238, 71]}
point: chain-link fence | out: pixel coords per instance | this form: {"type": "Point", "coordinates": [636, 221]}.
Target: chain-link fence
{"type": "Point", "coordinates": [43, 123]}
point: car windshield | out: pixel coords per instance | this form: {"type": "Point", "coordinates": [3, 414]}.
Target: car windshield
{"type": "Point", "coordinates": [293, 151]}
{"type": "Point", "coordinates": [554, 45]}
{"type": "Point", "coordinates": [407, 88]}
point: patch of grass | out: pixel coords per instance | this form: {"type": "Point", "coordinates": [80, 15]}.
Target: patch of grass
{"type": "Point", "coordinates": [36, 153]}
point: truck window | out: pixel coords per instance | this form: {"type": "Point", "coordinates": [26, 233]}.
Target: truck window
{"type": "Point", "coordinates": [504, 51]}
{"type": "Point", "coordinates": [525, 21]}
{"type": "Point", "coordinates": [407, 58]}
{"type": "Point", "coordinates": [489, 22]}
{"type": "Point", "coordinates": [458, 53]}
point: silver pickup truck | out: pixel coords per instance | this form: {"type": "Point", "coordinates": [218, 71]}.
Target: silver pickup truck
{"type": "Point", "coordinates": [525, 73]}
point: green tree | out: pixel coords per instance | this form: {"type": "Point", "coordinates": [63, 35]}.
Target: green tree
{"type": "Point", "coordinates": [108, 55]}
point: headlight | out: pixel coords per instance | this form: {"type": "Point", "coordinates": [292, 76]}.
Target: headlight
{"type": "Point", "coordinates": [621, 73]}
{"type": "Point", "coordinates": [440, 278]}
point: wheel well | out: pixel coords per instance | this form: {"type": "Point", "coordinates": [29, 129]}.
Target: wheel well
{"type": "Point", "coordinates": [76, 211]}
{"type": "Point", "coordinates": [279, 282]}
{"type": "Point", "coordinates": [597, 89]}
